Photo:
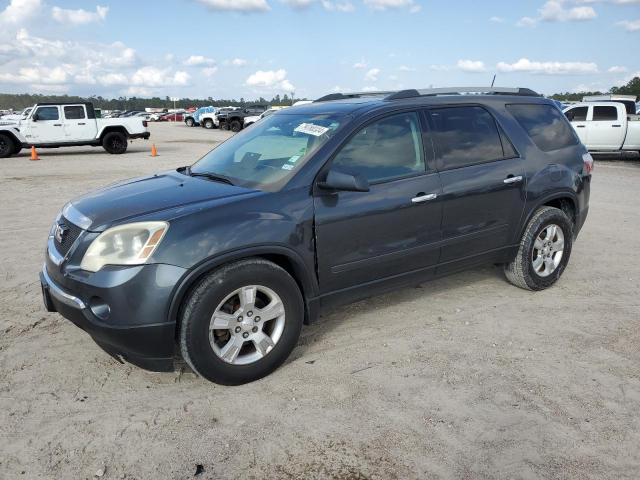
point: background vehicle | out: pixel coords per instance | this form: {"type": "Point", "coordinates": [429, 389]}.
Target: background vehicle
{"type": "Point", "coordinates": [209, 120]}
{"type": "Point", "coordinates": [193, 119]}
{"type": "Point", "coordinates": [171, 117]}
{"type": "Point", "coordinates": [629, 101]}
{"type": "Point", "coordinates": [234, 120]}
{"type": "Point", "coordinates": [605, 126]}
{"type": "Point", "coordinates": [53, 125]}
{"type": "Point", "coordinates": [254, 118]}
{"type": "Point", "coordinates": [15, 117]}
{"type": "Point", "coordinates": [315, 206]}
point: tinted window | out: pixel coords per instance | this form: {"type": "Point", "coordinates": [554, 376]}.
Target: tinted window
{"type": "Point", "coordinates": [75, 112]}
{"type": "Point", "coordinates": [605, 114]}
{"type": "Point", "coordinates": [508, 149]}
{"type": "Point", "coordinates": [47, 113]}
{"type": "Point", "coordinates": [578, 114]}
{"type": "Point", "coordinates": [466, 136]}
{"type": "Point", "coordinates": [383, 150]}
{"type": "Point", "coordinates": [545, 124]}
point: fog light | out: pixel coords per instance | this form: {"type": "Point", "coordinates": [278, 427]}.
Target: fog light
{"type": "Point", "coordinates": [99, 308]}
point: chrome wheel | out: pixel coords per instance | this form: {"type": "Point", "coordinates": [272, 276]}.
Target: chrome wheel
{"type": "Point", "coordinates": [547, 250]}
{"type": "Point", "coordinates": [247, 325]}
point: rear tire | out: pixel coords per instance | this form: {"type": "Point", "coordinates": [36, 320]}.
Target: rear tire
{"type": "Point", "coordinates": [115, 143]}
{"type": "Point", "coordinates": [7, 146]}
{"type": "Point", "coordinates": [190, 122]}
{"type": "Point", "coordinates": [208, 124]}
{"type": "Point", "coordinates": [544, 250]}
{"type": "Point", "coordinates": [235, 126]}
{"type": "Point", "coordinates": [240, 351]}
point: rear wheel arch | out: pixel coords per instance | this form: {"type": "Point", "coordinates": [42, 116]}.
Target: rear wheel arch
{"type": "Point", "coordinates": [565, 201]}
{"type": "Point", "coordinates": [281, 256]}
{"type": "Point", "coordinates": [113, 129]}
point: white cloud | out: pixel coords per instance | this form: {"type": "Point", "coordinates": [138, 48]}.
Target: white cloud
{"type": "Point", "coordinates": [361, 65]}
{"type": "Point", "coordinates": [439, 68]}
{"type": "Point", "coordinates": [298, 4]}
{"type": "Point", "coordinates": [558, 11]}
{"type": "Point", "coordinates": [198, 60]}
{"type": "Point", "coordinates": [617, 69]}
{"type": "Point", "coordinates": [344, 7]}
{"type": "Point", "coordinates": [80, 16]}
{"type": "Point", "coordinates": [405, 68]}
{"type": "Point", "coordinates": [209, 71]}
{"type": "Point", "coordinates": [473, 66]}
{"type": "Point", "coordinates": [370, 88]}
{"type": "Point", "coordinates": [42, 75]}
{"type": "Point", "coordinates": [548, 68]}
{"type": "Point", "coordinates": [526, 22]}
{"type": "Point", "coordinates": [270, 79]}
{"type": "Point", "coordinates": [20, 10]}
{"type": "Point", "coordinates": [246, 6]}
{"type": "Point", "coordinates": [630, 25]}
{"type": "Point", "coordinates": [372, 75]}
{"type": "Point", "coordinates": [238, 62]}
{"type": "Point", "coordinates": [497, 19]}
{"type": "Point", "coordinates": [150, 76]}
{"type": "Point", "coordinates": [411, 5]}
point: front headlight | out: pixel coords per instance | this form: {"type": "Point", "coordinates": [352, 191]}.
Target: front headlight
{"type": "Point", "coordinates": [129, 244]}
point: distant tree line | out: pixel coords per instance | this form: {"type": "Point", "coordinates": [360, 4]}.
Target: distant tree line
{"type": "Point", "coordinates": [23, 100]}
{"type": "Point", "coordinates": [631, 88]}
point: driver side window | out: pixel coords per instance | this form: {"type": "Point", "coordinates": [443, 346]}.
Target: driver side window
{"type": "Point", "coordinates": [47, 113]}
{"type": "Point", "coordinates": [384, 150]}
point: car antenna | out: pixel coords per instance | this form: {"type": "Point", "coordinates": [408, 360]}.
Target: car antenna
{"type": "Point", "coordinates": [494, 79]}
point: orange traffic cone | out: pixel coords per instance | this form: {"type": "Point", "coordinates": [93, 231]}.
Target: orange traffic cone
{"type": "Point", "coordinates": [34, 153]}
{"type": "Point", "coordinates": [154, 151]}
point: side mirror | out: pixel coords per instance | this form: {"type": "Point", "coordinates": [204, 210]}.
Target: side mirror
{"type": "Point", "coordinates": [344, 181]}
{"type": "Point", "coordinates": [34, 117]}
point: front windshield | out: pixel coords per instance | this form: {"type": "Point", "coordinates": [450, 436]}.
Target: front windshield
{"type": "Point", "coordinates": [269, 153]}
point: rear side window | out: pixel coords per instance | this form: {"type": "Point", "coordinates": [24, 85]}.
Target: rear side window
{"type": "Point", "coordinates": [384, 150]}
{"type": "Point", "coordinates": [577, 114]}
{"type": "Point", "coordinates": [605, 114]}
{"type": "Point", "coordinates": [75, 112]}
{"type": "Point", "coordinates": [545, 124]}
{"type": "Point", "coordinates": [466, 136]}
{"type": "Point", "coordinates": [47, 113]}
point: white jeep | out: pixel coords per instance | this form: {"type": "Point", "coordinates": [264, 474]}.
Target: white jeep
{"type": "Point", "coordinates": [53, 125]}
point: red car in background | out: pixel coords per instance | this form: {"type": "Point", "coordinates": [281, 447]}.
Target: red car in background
{"type": "Point", "coordinates": [171, 117]}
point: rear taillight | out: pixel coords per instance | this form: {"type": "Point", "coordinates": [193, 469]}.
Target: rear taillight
{"type": "Point", "coordinates": [587, 160]}
{"type": "Point", "coordinates": [145, 124]}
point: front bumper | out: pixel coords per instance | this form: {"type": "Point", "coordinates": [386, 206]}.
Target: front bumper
{"type": "Point", "coordinates": [124, 310]}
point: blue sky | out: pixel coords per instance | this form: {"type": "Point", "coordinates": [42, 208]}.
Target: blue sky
{"type": "Point", "coordinates": [248, 48]}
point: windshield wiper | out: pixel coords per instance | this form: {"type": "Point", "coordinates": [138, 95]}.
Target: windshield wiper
{"type": "Point", "coordinates": [209, 176]}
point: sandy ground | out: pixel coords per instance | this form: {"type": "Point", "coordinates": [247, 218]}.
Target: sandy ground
{"type": "Point", "coordinates": [465, 377]}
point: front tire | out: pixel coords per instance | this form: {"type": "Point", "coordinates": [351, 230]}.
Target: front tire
{"type": "Point", "coordinates": [241, 322]}
{"type": "Point", "coordinates": [190, 122]}
{"type": "Point", "coordinates": [208, 124]}
{"type": "Point", "coordinates": [544, 250]}
{"type": "Point", "coordinates": [235, 126]}
{"type": "Point", "coordinates": [115, 143]}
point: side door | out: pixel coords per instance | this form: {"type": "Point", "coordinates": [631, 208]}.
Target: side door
{"type": "Point", "coordinates": [45, 125]}
{"type": "Point", "coordinates": [483, 182]}
{"type": "Point", "coordinates": [77, 126]}
{"type": "Point", "coordinates": [606, 128]}
{"type": "Point", "coordinates": [393, 228]}
{"type": "Point", "coordinates": [578, 118]}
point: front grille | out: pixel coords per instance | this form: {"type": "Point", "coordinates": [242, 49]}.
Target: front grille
{"type": "Point", "coordinates": [70, 235]}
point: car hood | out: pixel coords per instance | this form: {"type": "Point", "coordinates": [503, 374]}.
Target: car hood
{"type": "Point", "coordinates": [136, 197]}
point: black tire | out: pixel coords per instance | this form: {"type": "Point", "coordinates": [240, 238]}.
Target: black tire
{"type": "Point", "coordinates": [235, 126]}
{"type": "Point", "coordinates": [115, 143]}
{"type": "Point", "coordinates": [17, 149]}
{"type": "Point", "coordinates": [190, 122]}
{"type": "Point", "coordinates": [223, 126]}
{"type": "Point", "coordinates": [199, 307]}
{"type": "Point", "coordinates": [521, 271]}
{"type": "Point", "coordinates": [7, 146]}
{"type": "Point", "coordinates": [208, 124]}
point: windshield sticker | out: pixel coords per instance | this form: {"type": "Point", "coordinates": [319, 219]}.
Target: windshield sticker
{"type": "Point", "coordinates": [295, 158]}
{"type": "Point", "coordinates": [311, 129]}
{"type": "Point", "coordinates": [287, 166]}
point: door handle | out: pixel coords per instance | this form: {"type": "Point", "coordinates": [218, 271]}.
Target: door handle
{"type": "Point", "coordinates": [82, 123]}
{"type": "Point", "coordinates": [580, 126]}
{"type": "Point", "coordinates": [57, 124]}
{"type": "Point", "coordinates": [616, 126]}
{"type": "Point", "coordinates": [513, 179]}
{"type": "Point", "coordinates": [424, 198]}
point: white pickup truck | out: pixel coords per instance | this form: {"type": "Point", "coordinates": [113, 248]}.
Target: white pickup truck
{"type": "Point", "coordinates": [605, 126]}
{"type": "Point", "coordinates": [53, 125]}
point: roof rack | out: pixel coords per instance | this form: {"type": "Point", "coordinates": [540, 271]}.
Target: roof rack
{"type": "Point", "coordinates": [344, 96]}
{"type": "Point", "coordinates": [432, 92]}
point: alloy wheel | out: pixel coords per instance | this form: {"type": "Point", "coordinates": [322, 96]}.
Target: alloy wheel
{"type": "Point", "coordinates": [547, 251]}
